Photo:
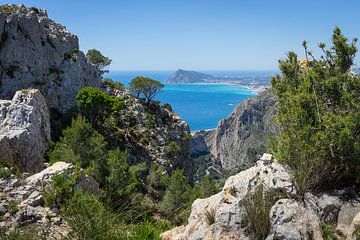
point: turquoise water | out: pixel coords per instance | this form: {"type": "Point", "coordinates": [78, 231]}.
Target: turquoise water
{"type": "Point", "coordinates": [200, 105]}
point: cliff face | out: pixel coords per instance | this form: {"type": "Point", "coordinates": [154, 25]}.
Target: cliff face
{"type": "Point", "coordinates": [239, 139]}
{"type": "Point", "coordinates": [36, 52]}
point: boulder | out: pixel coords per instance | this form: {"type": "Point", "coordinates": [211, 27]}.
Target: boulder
{"type": "Point", "coordinates": [354, 228]}
{"type": "Point", "coordinates": [24, 129]}
{"type": "Point", "coordinates": [228, 212]}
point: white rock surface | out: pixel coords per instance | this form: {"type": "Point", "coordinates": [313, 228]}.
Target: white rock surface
{"type": "Point", "coordinates": [24, 129]}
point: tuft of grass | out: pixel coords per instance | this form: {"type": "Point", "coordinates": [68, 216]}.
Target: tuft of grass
{"type": "Point", "coordinates": [257, 210]}
{"type": "Point", "coordinates": [210, 216]}
{"type": "Point", "coordinates": [13, 207]}
{"type": "Point", "coordinates": [27, 233]}
{"type": "Point", "coordinates": [327, 232]}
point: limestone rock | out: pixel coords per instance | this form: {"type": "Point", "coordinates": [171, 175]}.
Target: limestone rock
{"type": "Point", "coordinates": [346, 216]}
{"type": "Point", "coordinates": [229, 213]}
{"type": "Point", "coordinates": [37, 52]}
{"type": "Point", "coordinates": [353, 230]}
{"type": "Point", "coordinates": [24, 129]}
{"type": "Point", "coordinates": [289, 218]}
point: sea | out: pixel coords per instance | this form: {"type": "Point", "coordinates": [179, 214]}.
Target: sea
{"type": "Point", "coordinates": [201, 105]}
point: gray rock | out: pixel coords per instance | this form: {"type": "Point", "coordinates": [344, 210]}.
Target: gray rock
{"type": "Point", "coordinates": [346, 215]}
{"type": "Point", "coordinates": [229, 213]}
{"type": "Point", "coordinates": [24, 129]}
{"type": "Point", "coordinates": [240, 139]}
{"type": "Point", "coordinates": [37, 52]}
{"type": "Point", "coordinates": [88, 184]}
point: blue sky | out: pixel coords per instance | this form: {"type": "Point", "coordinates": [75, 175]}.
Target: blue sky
{"type": "Point", "coordinates": [201, 34]}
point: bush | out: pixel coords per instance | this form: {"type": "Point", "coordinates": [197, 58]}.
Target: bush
{"type": "Point", "coordinates": [62, 190]}
{"type": "Point", "coordinates": [318, 115]}
{"type": "Point", "coordinates": [90, 219]}
{"type": "Point", "coordinates": [97, 105]}
{"type": "Point", "coordinates": [167, 106]}
{"type": "Point", "coordinates": [175, 203]}
{"type": "Point", "coordinates": [27, 233]}
{"type": "Point", "coordinates": [82, 146]}
{"type": "Point", "coordinates": [172, 148]}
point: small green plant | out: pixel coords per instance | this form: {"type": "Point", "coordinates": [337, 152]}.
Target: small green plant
{"type": "Point", "coordinates": [167, 106]}
{"type": "Point", "coordinates": [257, 207]}
{"type": "Point", "coordinates": [27, 233]}
{"type": "Point", "coordinates": [357, 232]}
{"type": "Point", "coordinates": [4, 172]}
{"type": "Point", "coordinates": [210, 216]}
{"type": "Point", "coordinates": [34, 9]}
{"type": "Point", "coordinates": [61, 190]}
{"type": "Point", "coordinates": [172, 148]}
{"type": "Point", "coordinates": [13, 207]}
{"type": "Point", "coordinates": [327, 232]}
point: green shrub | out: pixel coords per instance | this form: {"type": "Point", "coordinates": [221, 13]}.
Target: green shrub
{"type": "Point", "coordinates": [327, 232]}
{"type": "Point", "coordinates": [13, 207]}
{"type": "Point", "coordinates": [97, 105]}
{"type": "Point", "coordinates": [90, 219]}
{"type": "Point", "coordinates": [62, 190]}
{"type": "Point", "coordinates": [175, 204]}
{"type": "Point", "coordinates": [318, 115]}
{"type": "Point", "coordinates": [108, 82]}
{"type": "Point", "coordinates": [27, 233]}
{"type": "Point", "coordinates": [172, 148]}
{"type": "Point", "coordinates": [167, 106]}
{"type": "Point", "coordinates": [82, 146]}
{"type": "Point", "coordinates": [4, 172]}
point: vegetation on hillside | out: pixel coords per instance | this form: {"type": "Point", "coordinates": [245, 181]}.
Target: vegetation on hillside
{"type": "Point", "coordinates": [318, 115]}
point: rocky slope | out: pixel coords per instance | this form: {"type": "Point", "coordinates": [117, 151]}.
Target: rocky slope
{"type": "Point", "coordinates": [22, 203]}
{"type": "Point", "coordinates": [24, 130]}
{"type": "Point", "coordinates": [155, 134]}
{"type": "Point", "coordinates": [36, 52]}
{"type": "Point", "coordinates": [239, 139]}
{"type": "Point", "coordinates": [289, 218]}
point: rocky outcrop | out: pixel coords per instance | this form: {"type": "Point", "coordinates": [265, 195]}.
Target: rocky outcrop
{"type": "Point", "coordinates": [24, 130]}
{"type": "Point", "coordinates": [289, 217]}
{"type": "Point", "coordinates": [36, 52]}
{"type": "Point", "coordinates": [22, 201]}
{"type": "Point", "coordinates": [242, 137]}
{"type": "Point", "coordinates": [154, 134]}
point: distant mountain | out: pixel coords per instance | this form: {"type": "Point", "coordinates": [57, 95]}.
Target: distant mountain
{"type": "Point", "coordinates": [184, 76]}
